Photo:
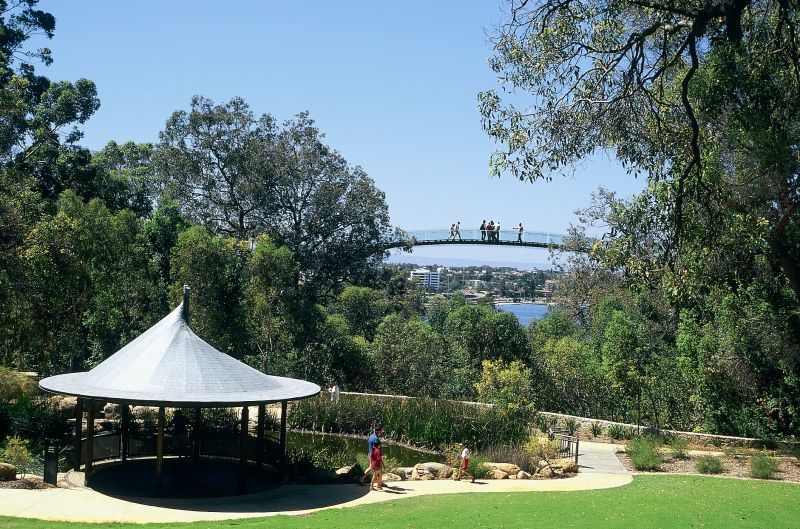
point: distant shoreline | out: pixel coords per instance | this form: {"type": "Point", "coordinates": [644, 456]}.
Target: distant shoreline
{"type": "Point", "coordinates": [521, 303]}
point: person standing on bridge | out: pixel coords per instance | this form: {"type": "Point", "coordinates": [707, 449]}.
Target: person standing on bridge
{"type": "Point", "coordinates": [497, 232]}
{"type": "Point", "coordinates": [483, 230]}
{"type": "Point", "coordinates": [520, 229]}
{"type": "Point", "coordinates": [458, 231]}
{"type": "Point", "coordinates": [452, 235]}
{"type": "Point", "coordinates": [490, 230]}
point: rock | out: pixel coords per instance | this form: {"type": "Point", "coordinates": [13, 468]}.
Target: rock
{"type": "Point", "coordinates": [508, 468]}
{"type": "Point", "coordinates": [496, 474]}
{"type": "Point", "coordinates": [543, 464]}
{"type": "Point", "coordinates": [8, 472]}
{"type": "Point", "coordinates": [404, 472]}
{"type": "Point", "coordinates": [523, 475]}
{"type": "Point", "coordinates": [110, 411]}
{"type": "Point", "coordinates": [439, 470]}
{"type": "Point", "coordinates": [547, 472]}
{"type": "Point", "coordinates": [415, 474]}
{"type": "Point", "coordinates": [427, 477]}
{"type": "Point", "coordinates": [388, 476]}
{"type": "Point", "coordinates": [568, 466]}
{"type": "Point", "coordinates": [347, 472]}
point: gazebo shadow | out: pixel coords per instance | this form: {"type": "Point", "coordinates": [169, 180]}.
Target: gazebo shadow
{"type": "Point", "coordinates": [212, 486]}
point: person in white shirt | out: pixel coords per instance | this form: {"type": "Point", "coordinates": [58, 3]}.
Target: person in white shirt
{"type": "Point", "coordinates": [334, 393]}
{"type": "Point", "coordinates": [464, 464]}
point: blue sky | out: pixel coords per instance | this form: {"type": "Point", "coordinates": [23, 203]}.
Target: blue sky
{"type": "Point", "coordinates": [393, 85]}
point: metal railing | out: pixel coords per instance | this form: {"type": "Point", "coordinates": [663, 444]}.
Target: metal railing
{"type": "Point", "coordinates": [510, 235]}
{"type": "Point", "coordinates": [567, 445]}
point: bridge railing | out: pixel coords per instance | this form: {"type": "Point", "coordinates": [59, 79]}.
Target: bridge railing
{"type": "Point", "coordinates": [510, 235]}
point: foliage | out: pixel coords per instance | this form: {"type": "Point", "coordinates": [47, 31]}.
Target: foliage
{"type": "Point", "coordinates": [14, 385]}
{"type": "Point", "coordinates": [763, 466]}
{"type": "Point", "coordinates": [420, 422]}
{"type": "Point", "coordinates": [678, 447]}
{"type": "Point", "coordinates": [596, 429]}
{"type": "Point", "coordinates": [507, 385]}
{"type": "Point", "coordinates": [644, 454]}
{"type": "Point", "coordinates": [542, 449]}
{"type": "Point", "coordinates": [618, 431]}
{"type": "Point", "coordinates": [17, 453]}
{"type": "Point", "coordinates": [708, 464]}
{"type": "Point", "coordinates": [518, 455]}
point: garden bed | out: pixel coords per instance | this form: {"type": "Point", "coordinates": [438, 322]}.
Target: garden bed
{"type": "Point", "coordinates": [25, 483]}
{"type": "Point", "coordinates": [734, 465]}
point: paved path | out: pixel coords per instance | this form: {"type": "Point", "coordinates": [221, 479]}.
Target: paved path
{"type": "Point", "coordinates": [600, 469]}
{"type": "Point", "coordinates": [600, 458]}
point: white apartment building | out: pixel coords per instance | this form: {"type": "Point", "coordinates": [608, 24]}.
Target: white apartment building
{"type": "Point", "coordinates": [426, 278]}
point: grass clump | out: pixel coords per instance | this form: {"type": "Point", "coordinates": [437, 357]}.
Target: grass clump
{"type": "Point", "coordinates": [677, 447]}
{"type": "Point", "coordinates": [644, 454]}
{"type": "Point", "coordinates": [763, 466]}
{"type": "Point", "coordinates": [708, 464]}
{"type": "Point", "coordinates": [596, 429]}
{"type": "Point", "coordinates": [618, 432]}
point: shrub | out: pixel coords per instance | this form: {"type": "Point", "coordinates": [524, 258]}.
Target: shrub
{"type": "Point", "coordinates": [542, 423]}
{"type": "Point", "coordinates": [596, 429]}
{"type": "Point", "coordinates": [618, 431]}
{"type": "Point", "coordinates": [678, 447]}
{"type": "Point", "coordinates": [17, 453]}
{"type": "Point", "coordinates": [571, 425]}
{"type": "Point", "coordinates": [542, 449]}
{"type": "Point", "coordinates": [644, 455]}
{"type": "Point", "coordinates": [708, 464]}
{"type": "Point", "coordinates": [762, 466]}
{"type": "Point", "coordinates": [477, 467]}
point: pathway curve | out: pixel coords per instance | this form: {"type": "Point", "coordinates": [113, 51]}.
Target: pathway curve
{"type": "Point", "coordinates": [598, 471]}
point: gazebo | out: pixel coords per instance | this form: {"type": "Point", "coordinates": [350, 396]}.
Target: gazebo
{"type": "Point", "coordinates": [169, 366]}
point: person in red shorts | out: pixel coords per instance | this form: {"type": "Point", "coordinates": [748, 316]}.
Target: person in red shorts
{"type": "Point", "coordinates": [376, 466]}
{"type": "Point", "coordinates": [462, 469]}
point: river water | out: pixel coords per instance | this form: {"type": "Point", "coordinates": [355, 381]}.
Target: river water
{"type": "Point", "coordinates": [525, 312]}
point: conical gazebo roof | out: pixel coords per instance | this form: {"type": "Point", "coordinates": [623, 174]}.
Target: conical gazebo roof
{"type": "Point", "coordinates": [169, 365]}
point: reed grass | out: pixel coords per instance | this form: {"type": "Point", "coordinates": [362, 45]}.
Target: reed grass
{"type": "Point", "coordinates": [423, 422]}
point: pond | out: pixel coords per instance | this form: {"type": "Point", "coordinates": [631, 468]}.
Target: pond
{"type": "Point", "coordinates": [358, 445]}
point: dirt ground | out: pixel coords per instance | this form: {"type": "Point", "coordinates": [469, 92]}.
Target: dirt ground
{"type": "Point", "coordinates": [734, 464]}
{"type": "Point", "coordinates": [25, 483]}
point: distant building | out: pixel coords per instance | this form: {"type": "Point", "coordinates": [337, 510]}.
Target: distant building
{"type": "Point", "coordinates": [426, 278]}
{"type": "Point", "coordinates": [476, 284]}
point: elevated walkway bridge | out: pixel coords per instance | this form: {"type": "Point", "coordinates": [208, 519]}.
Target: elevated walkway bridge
{"type": "Point", "coordinates": [431, 237]}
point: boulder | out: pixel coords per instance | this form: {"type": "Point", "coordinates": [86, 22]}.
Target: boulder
{"type": "Point", "coordinates": [523, 475]}
{"type": "Point", "coordinates": [415, 476]}
{"type": "Point", "coordinates": [547, 472]}
{"type": "Point", "coordinates": [404, 472]}
{"type": "Point", "coordinates": [568, 466]}
{"type": "Point", "coordinates": [427, 477]}
{"type": "Point", "coordinates": [508, 468]}
{"type": "Point", "coordinates": [348, 472]}
{"type": "Point", "coordinates": [8, 472]}
{"type": "Point", "coordinates": [496, 474]}
{"type": "Point", "coordinates": [388, 476]}
{"type": "Point", "coordinates": [439, 470]}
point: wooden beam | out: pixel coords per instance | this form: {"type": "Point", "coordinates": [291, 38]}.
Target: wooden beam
{"type": "Point", "coordinates": [262, 412]}
{"type": "Point", "coordinates": [89, 441]}
{"type": "Point", "coordinates": [283, 436]}
{"type": "Point", "coordinates": [160, 452]}
{"type": "Point", "coordinates": [126, 432]}
{"type": "Point", "coordinates": [78, 433]}
{"type": "Point", "coordinates": [198, 417]}
{"type": "Point", "coordinates": [243, 449]}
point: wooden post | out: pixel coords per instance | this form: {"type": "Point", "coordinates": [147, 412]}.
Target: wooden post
{"type": "Point", "coordinates": [243, 449]}
{"type": "Point", "coordinates": [78, 432]}
{"type": "Point", "coordinates": [160, 452]}
{"type": "Point", "coordinates": [283, 436]}
{"type": "Point", "coordinates": [196, 436]}
{"type": "Point", "coordinates": [262, 411]}
{"type": "Point", "coordinates": [89, 441]}
{"type": "Point", "coordinates": [126, 431]}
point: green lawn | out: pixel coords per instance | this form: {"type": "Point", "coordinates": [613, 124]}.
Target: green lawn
{"type": "Point", "coordinates": [650, 501]}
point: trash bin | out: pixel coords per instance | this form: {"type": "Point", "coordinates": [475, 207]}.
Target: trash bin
{"type": "Point", "coordinates": [50, 463]}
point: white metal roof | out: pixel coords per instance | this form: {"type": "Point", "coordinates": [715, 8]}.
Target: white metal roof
{"type": "Point", "coordinates": [170, 365]}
